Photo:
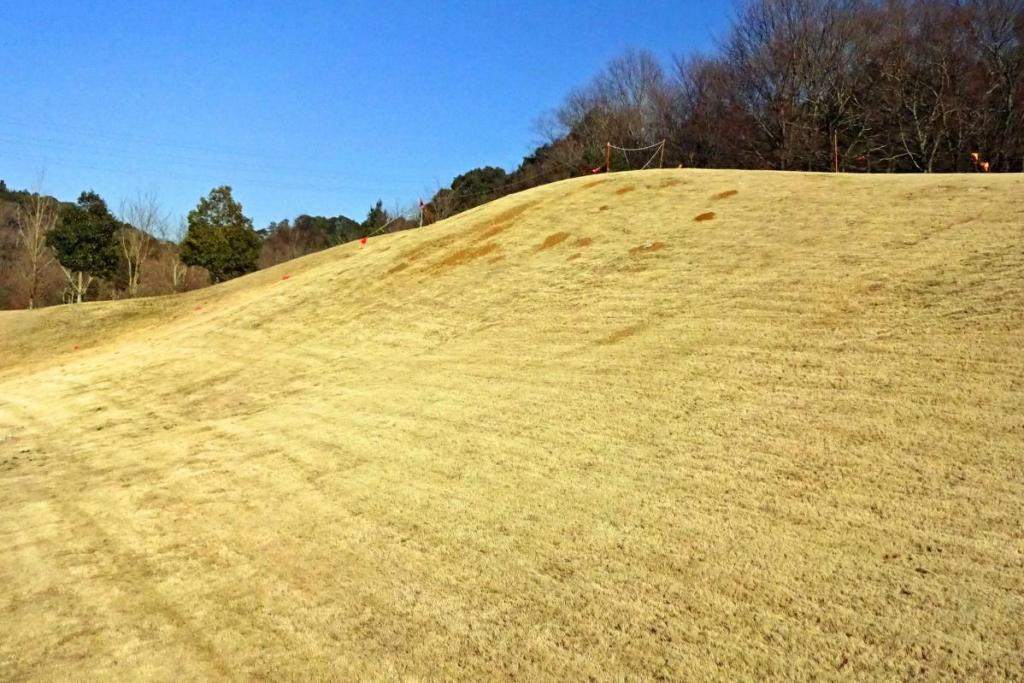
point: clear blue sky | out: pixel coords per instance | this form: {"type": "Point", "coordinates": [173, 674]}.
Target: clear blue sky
{"type": "Point", "coordinates": [302, 107]}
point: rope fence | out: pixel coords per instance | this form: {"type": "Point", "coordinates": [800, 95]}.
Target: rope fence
{"type": "Point", "coordinates": [659, 154]}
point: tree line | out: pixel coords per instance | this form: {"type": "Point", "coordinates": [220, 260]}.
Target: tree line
{"type": "Point", "coordinates": [55, 252]}
{"type": "Point", "coordinates": [894, 86]}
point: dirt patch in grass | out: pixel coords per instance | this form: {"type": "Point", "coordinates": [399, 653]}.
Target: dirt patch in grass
{"type": "Point", "coordinates": [464, 256]}
{"type": "Point", "coordinates": [495, 229]}
{"type": "Point", "coordinates": [619, 335]}
{"type": "Point", "coordinates": [574, 256]}
{"type": "Point", "coordinates": [624, 190]}
{"type": "Point", "coordinates": [726, 194]}
{"type": "Point", "coordinates": [552, 240]}
{"type": "Point", "coordinates": [594, 183]}
{"type": "Point", "coordinates": [501, 222]}
{"type": "Point", "coordinates": [706, 216]}
{"type": "Point", "coordinates": [399, 268]}
{"type": "Point", "coordinates": [647, 247]}
{"type": "Point", "coordinates": [427, 247]}
{"type": "Point", "coordinates": [671, 182]}
{"type": "Point", "coordinates": [482, 231]}
{"type": "Point", "coordinates": [603, 208]}
{"type": "Point", "coordinates": [515, 211]}
{"type": "Point", "coordinates": [584, 242]}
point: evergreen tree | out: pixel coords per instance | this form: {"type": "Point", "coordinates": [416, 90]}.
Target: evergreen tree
{"type": "Point", "coordinates": [220, 237]}
{"type": "Point", "coordinates": [376, 218]}
{"type": "Point", "coordinates": [85, 242]}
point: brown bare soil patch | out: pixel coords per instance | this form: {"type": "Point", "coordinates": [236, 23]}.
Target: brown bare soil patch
{"type": "Point", "coordinates": [552, 240]}
{"type": "Point", "coordinates": [648, 247]}
{"type": "Point", "coordinates": [619, 335]}
{"type": "Point", "coordinates": [603, 208]}
{"type": "Point", "coordinates": [706, 216]}
{"type": "Point", "coordinates": [463, 256]}
{"type": "Point", "coordinates": [584, 242]}
{"type": "Point", "coordinates": [726, 194]}
{"type": "Point", "coordinates": [432, 245]}
{"type": "Point", "coordinates": [671, 182]}
{"type": "Point", "coordinates": [594, 183]}
{"type": "Point", "coordinates": [495, 229]}
{"type": "Point", "coordinates": [400, 267]}
{"type": "Point", "coordinates": [515, 211]}
{"type": "Point", "coordinates": [501, 222]}
{"type": "Point", "coordinates": [574, 256]}
{"type": "Point", "coordinates": [624, 190]}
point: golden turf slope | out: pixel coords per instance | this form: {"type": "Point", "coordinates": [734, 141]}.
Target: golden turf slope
{"type": "Point", "coordinates": [573, 433]}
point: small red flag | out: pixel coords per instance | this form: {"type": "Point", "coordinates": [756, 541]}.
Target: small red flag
{"type": "Point", "coordinates": [362, 241]}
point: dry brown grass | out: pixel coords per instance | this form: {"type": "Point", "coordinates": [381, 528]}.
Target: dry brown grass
{"type": "Point", "coordinates": [706, 216]}
{"type": "Point", "coordinates": [789, 447]}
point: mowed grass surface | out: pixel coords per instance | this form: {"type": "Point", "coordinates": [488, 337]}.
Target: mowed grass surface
{"type": "Point", "coordinates": [574, 433]}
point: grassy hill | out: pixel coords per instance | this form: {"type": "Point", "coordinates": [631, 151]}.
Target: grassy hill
{"type": "Point", "coordinates": [664, 424]}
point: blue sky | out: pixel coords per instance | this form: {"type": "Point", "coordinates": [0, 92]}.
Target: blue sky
{"type": "Point", "coordinates": [301, 107]}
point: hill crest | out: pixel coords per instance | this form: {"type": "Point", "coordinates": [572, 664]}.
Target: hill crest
{"type": "Point", "coordinates": [642, 424]}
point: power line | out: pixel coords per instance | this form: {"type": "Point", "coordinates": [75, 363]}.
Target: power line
{"type": "Point", "coordinates": [533, 176]}
{"type": "Point", "coordinates": [327, 183]}
{"type": "Point", "coordinates": [243, 179]}
{"type": "Point", "coordinates": [121, 137]}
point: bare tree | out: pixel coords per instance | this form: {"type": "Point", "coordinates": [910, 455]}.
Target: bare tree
{"type": "Point", "coordinates": [794, 64]}
{"type": "Point", "coordinates": [708, 126]}
{"type": "Point", "coordinates": [36, 218]}
{"type": "Point", "coordinates": [143, 220]}
{"type": "Point", "coordinates": [624, 104]}
{"type": "Point", "coordinates": [997, 31]}
{"type": "Point", "coordinates": [442, 205]}
{"type": "Point", "coordinates": [176, 271]}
